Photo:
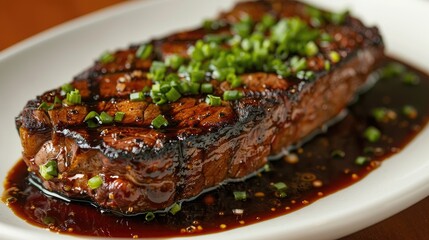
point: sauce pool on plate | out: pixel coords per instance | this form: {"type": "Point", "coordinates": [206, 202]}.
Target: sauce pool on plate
{"type": "Point", "coordinates": [379, 124]}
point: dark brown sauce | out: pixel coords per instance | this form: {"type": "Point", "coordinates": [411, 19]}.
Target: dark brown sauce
{"type": "Point", "coordinates": [320, 167]}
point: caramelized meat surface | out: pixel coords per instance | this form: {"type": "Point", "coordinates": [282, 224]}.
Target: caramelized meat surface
{"type": "Point", "coordinates": [149, 169]}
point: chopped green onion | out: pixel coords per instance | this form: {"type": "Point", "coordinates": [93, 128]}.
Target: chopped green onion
{"type": "Point", "coordinates": [66, 88]}
{"type": "Point", "coordinates": [311, 49]}
{"type": "Point", "coordinates": [194, 88]}
{"type": "Point", "coordinates": [137, 96]}
{"type": "Point", "coordinates": [92, 124]}
{"type": "Point", "coordinates": [49, 170]}
{"type": "Point", "coordinates": [106, 57]}
{"type": "Point", "coordinates": [280, 186]}
{"type": "Point", "coordinates": [392, 70]}
{"type": "Point", "coordinates": [164, 87]}
{"type": "Point", "coordinates": [159, 121]}
{"type": "Point", "coordinates": [379, 114]}
{"type": "Point", "coordinates": [240, 196]}
{"type": "Point", "coordinates": [184, 88]}
{"type": "Point", "coordinates": [305, 75]}
{"type": "Point", "coordinates": [119, 116]}
{"type": "Point", "coordinates": [74, 97]}
{"type": "Point", "coordinates": [44, 106]}
{"type": "Point", "coordinates": [91, 115]}
{"type": "Point", "coordinates": [338, 153]}
{"type": "Point", "coordinates": [144, 51]}
{"type": "Point", "coordinates": [57, 100]}
{"type": "Point", "coordinates": [281, 194]}
{"type": "Point", "coordinates": [361, 160]}
{"type": "Point", "coordinates": [197, 76]}
{"type": "Point", "coordinates": [369, 150]}
{"type": "Point", "coordinates": [173, 95]}
{"type": "Point", "coordinates": [268, 20]}
{"type": "Point", "coordinates": [213, 100]}
{"type": "Point", "coordinates": [146, 89]}
{"type": "Point", "coordinates": [174, 61]}
{"type": "Point", "coordinates": [157, 71]}
{"type": "Point", "coordinates": [325, 37]}
{"type": "Point", "coordinates": [232, 95]}
{"type": "Point", "coordinates": [105, 118]}
{"type": "Point", "coordinates": [409, 111]}
{"type": "Point", "coordinates": [243, 28]}
{"type": "Point", "coordinates": [327, 65]}
{"type": "Point", "coordinates": [338, 18]}
{"type": "Point", "coordinates": [48, 220]}
{"type": "Point", "coordinates": [149, 216]}
{"type": "Point", "coordinates": [95, 182]}
{"type": "Point", "coordinates": [334, 56]}
{"type": "Point", "coordinates": [372, 134]}
{"type": "Point", "coordinates": [298, 64]}
{"type": "Point", "coordinates": [210, 25]}
{"type": "Point", "coordinates": [206, 88]}
{"type": "Point", "coordinates": [217, 38]}
{"type": "Point", "coordinates": [267, 167]}
{"type": "Point", "coordinates": [175, 208]}
{"type": "Point", "coordinates": [410, 78]}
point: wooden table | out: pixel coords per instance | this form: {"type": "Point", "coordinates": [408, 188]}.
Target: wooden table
{"type": "Point", "coordinates": [20, 19]}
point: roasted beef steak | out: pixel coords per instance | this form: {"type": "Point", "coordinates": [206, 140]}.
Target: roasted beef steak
{"type": "Point", "coordinates": [143, 168]}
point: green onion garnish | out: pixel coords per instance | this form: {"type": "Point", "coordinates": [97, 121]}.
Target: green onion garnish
{"type": "Point", "coordinates": [91, 115]}
{"type": "Point", "coordinates": [174, 61]}
{"type": "Point", "coordinates": [197, 76]}
{"type": "Point", "coordinates": [206, 88]}
{"type": "Point", "coordinates": [175, 208]}
{"type": "Point", "coordinates": [334, 56]}
{"type": "Point", "coordinates": [95, 182]}
{"type": "Point", "coordinates": [144, 51]}
{"type": "Point", "coordinates": [159, 121]}
{"type": "Point", "coordinates": [106, 57]}
{"type": "Point", "coordinates": [157, 71]}
{"type": "Point", "coordinates": [338, 18]}
{"type": "Point", "coordinates": [213, 100]}
{"type": "Point", "coordinates": [392, 70]}
{"type": "Point", "coordinates": [74, 97]}
{"type": "Point", "coordinates": [136, 96]}
{"type": "Point", "coordinates": [66, 88]}
{"type": "Point", "coordinates": [410, 78]}
{"type": "Point", "coordinates": [240, 196]}
{"type": "Point", "coordinates": [149, 216]}
{"type": "Point", "coordinates": [105, 118]}
{"type": "Point", "coordinates": [57, 100]}
{"type": "Point", "coordinates": [44, 106]}
{"type": "Point", "coordinates": [49, 170]}
{"type": "Point", "coordinates": [379, 113]}
{"type": "Point", "coordinates": [195, 87]}
{"type": "Point", "coordinates": [311, 49]}
{"type": "Point", "coordinates": [298, 64]}
{"type": "Point", "coordinates": [173, 95]}
{"type": "Point", "coordinates": [280, 186]}
{"type": "Point", "coordinates": [92, 124]}
{"type": "Point", "coordinates": [327, 65]}
{"type": "Point", "coordinates": [338, 153]}
{"type": "Point", "coordinates": [232, 95]}
{"type": "Point", "coordinates": [372, 134]}
{"type": "Point", "coordinates": [409, 111]}
{"type": "Point", "coordinates": [119, 116]}
{"type": "Point", "coordinates": [361, 160]}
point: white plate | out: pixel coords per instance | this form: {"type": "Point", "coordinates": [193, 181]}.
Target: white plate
{"type": "Point", "coordinates": [53, 57]}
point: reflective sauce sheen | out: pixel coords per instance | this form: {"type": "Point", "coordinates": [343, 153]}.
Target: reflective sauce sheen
{"type": "Point", "coordinates": [379, 124]}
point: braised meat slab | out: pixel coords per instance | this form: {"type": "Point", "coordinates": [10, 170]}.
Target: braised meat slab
{"type": "Point", "coordinates": [160, 122]}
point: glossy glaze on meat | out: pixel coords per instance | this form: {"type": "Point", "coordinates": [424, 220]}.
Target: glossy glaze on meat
{"type": "Point", "coordinates": [146, 169]}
